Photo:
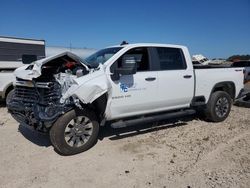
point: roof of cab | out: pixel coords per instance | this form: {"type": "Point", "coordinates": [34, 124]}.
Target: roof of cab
{"type": "Point", "coordinates": [148, 45]}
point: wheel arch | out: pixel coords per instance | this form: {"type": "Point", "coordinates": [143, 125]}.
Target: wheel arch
{"type": "Point", "coordinates": [228, 87]}
{"type": "Point", "coordinates": [98, 106]}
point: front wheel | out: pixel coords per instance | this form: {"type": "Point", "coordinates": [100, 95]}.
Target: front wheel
{"type": "Point", "coordinates": [218, 107]}
{"type": "Point", "coordinates": [74, 132]}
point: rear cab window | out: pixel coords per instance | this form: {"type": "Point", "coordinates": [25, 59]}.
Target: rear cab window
{"type": "Point", "coordinates": [170, 58]}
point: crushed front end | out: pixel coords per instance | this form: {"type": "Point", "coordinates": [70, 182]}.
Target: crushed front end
{"type": "Point", "coordinates": [38, 90]}
{"type": "Point", "coordinates": [37, 104]}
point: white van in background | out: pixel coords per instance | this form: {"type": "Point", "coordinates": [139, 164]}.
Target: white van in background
{"type": "Point", "coordinates": [14, 53]}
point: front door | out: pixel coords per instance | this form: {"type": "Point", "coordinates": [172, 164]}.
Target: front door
{"type": "Point", "coordinates": [134, 94]}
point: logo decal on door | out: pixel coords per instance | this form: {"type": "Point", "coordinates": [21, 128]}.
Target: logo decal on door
{"type": "Point", "coordinates": [123, 88]}
{"type": "Point", "coordinates": [130, 87]}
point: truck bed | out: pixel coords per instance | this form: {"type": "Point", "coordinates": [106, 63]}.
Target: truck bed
{"type": "Point", "coordinates": [207, 78]}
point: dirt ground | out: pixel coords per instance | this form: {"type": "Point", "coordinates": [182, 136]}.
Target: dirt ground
{"type": "Point", "coordinates": [183, 153]}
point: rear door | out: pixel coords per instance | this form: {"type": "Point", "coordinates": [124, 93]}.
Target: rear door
{"type": "Point", "coordinates": [175, 78]}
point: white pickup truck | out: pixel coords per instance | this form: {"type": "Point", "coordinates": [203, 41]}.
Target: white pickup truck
{"type": "Point", "coordinates": [124, 85]}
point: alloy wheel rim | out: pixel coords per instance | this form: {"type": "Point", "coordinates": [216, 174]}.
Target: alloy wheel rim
{"type": "Point", "coordinates": [221, 107]}
{"type": "Point", "coordinates": [78, 131]}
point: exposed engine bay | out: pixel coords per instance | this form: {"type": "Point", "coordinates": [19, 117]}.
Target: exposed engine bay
{"type": "Point", "coordinates": [36, 101]}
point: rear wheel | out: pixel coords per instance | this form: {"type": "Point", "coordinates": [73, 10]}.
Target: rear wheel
{"type": "Point", "coordinates": [218, 107]}
{"type": "Point", "coordinates": [74, 132]}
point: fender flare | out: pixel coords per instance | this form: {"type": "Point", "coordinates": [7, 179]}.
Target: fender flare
{"type": "Point", "coordinates": [227, 86]}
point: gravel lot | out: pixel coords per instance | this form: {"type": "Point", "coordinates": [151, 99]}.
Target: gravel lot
{"type": "Point", "coordinates": [185, 153]}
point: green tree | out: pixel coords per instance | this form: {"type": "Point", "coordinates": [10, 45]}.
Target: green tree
{"type": "Point", "coordinates": [239, 57]}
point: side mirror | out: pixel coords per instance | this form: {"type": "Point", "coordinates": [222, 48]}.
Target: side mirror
{"type": "Point", "coordinates": [129, 66]}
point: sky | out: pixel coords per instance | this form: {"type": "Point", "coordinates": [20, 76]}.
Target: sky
{"type": "Point", "coordinates": [214, 28]}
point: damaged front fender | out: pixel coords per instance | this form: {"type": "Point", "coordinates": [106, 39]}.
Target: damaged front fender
{"type": "Point", "coordinates": [89, 87]}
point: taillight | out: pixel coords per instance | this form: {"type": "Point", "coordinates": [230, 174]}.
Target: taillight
{"type": "Point", "coordinates": [244, 80]}
{"type": "Point", "coordinates": [243, 71]}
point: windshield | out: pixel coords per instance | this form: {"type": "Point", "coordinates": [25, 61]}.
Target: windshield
{"type": "Point", "coordinates": [102, 56]}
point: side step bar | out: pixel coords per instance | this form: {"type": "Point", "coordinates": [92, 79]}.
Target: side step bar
{"type": "Point", "coordinates": [153, 118]}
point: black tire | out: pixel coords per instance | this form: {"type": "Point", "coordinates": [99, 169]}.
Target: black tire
{"type": "Point", "coordinates": [9, 96]}
{"type": "Point", "coordinates": [76, 133]}
{"type": "Point", "coordinates": [218, 106]}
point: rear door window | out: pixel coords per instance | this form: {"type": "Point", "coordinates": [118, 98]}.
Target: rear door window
{"type": "Point", "coordinates": [170, 58]}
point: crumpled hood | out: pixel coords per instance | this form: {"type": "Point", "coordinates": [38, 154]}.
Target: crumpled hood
{"type": "Point", "coordinates": [86, 88]}
{"type": "Point", "coordinates": [28, 72]}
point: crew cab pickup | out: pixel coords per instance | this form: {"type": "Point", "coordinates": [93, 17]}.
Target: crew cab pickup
{"type": "Point", "coordinates": [124, 85]}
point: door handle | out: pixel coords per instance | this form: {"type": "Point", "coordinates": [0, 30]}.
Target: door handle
{"type": "Point", "coordinates": [187, 76]}
{"type": "Point", "coordinates": [150, 79]}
